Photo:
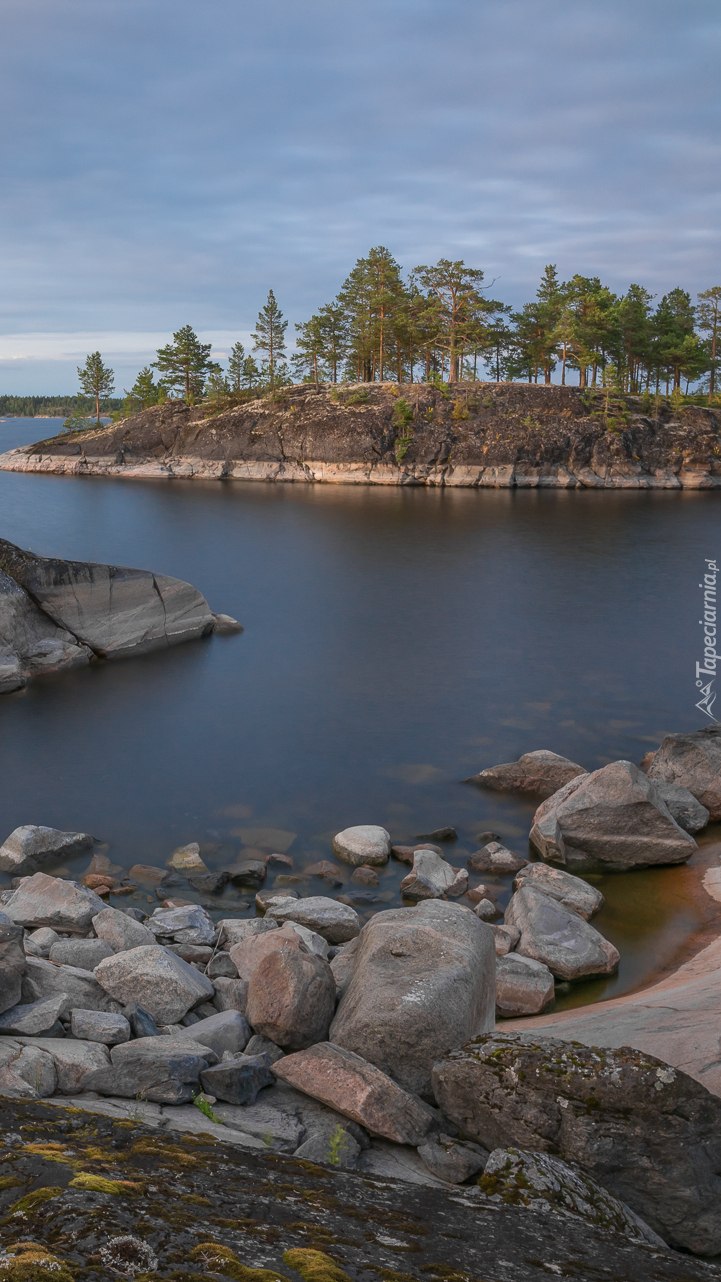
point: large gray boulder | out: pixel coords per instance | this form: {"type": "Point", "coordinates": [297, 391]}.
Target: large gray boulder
{"type": "Point", "coordinates": [692, 761]}
{"type": "Point", "coordinates": [362, 844]}
{"type": "Point", "coordinates": [79, 988]}
{"type": "Point", "coordinates": [30, 641]}
{"type": "Point", "coordinates": [613, 818]}
{"type": "Point", "coordinates": [35, 1019]}
{"type": "Point", "coordinates": [113, 610]}
{"type": "Point", "coordinates": [121, 932]}
{"type": "Point", "coordinates": [74, 1061]}
{"type": "Point", "coordinates": [646, 1132]}
{"type": "Point", "coordinates": [683, 806]}
{"type": "Point", "coordinates": [189, 924]}
{"type": "Point", "coordinates": [558, 937]}
{"type": "Point", "coordinates": [86, 954]}
{"type": "Point", "coordinates": [291, 998]}
{"type": "Point", "coordinates": [424, 980]}
{"type": "Point", "coordinates": [358, 1090]}
{"type": "Point", "coordinates": [12, 963]}
{"type": "Point", "coordinates": [573, 892]}
{"type": "Point", "coordinates": [174, 1080]}
{"type": "Point", "coordinates": [30, 1066]}
{"type": "Point", "coordinates": [523, 986]}
{"type": "Point", "coordinates": [541, 773]}
{"type": "Point", "coordinates": [52, 901]}
{"type": "Point", "coordinates": [31, 845]}
{"type": "Point", "coordinates": [336, 922]}
{"type": "Point", "coordinates": [225, 1032]}
{"type": "Point", "coordinates": [98, 1026]}
{"type": "Point", "coordinates": [161, 982]}
{"type": "Point", "coordinates": [238, 1080]}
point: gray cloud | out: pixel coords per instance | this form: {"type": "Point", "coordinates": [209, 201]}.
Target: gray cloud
{"type": "Point", "coordinates": [170, 161]}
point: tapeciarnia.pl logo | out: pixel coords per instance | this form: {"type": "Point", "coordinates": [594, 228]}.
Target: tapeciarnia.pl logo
{"type": "Point", "coordinates": [710, 657]}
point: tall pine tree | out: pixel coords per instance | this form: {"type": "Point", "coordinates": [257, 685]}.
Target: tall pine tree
{"type": "Point", "coordinates": [269, 335]}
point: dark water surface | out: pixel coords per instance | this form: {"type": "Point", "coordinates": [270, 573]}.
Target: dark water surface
{"type": "Point", "coordinates": [396, 641]}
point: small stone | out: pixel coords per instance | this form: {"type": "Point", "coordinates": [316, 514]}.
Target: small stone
{"type": "Point", "coordinates": [98, 1026]}
{"type": "Point", "coordinates": [186, 859]}
{"type": "Point", "coordinates": [477, 893]}
{"type": "Point", "coordinates": [487, 910]}
{"type": "Point", "coordinates": [41, 941]}
{"type": "Point", "coordinates": [278, 861]}
{"type": "Point", "coordinates": [101, 883]}
{"type": "Point", "coordinates": [83, 953]}
{"type": "Point", "coordinates": [440, 834]}
{"type": "Point", "coordinates": [363, 844]}
{"type": "Point", "coordinates": [496, 858]}
{"type": "Point", "coordinates": [365, 876]}
{"type": "Point", "coordinates": [239, 1080]}
{"type": "Point", "coordinates": [141, 1022]}
{"type": "Point", "coordinates": [506, 938]}
{"type": "Point", "coordinates": [209, 883]}
{"type": "Point", "coordinates": [148, 873]}
{"type": "Point", "coordinates": [431, 877]}
{"type": "Point", "coordinates": [223, 1031]}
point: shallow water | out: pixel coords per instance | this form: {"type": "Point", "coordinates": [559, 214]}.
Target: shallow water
{"type": "Point", "coordinates": [396, 641]}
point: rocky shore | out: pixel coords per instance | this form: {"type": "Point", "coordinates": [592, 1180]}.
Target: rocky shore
{"type": "Point", "coordinates": [308, 1037]}
{"type": "Point", "coordinates": [58, 614]}
{"type": "Point", "coordinates": [495, 435]}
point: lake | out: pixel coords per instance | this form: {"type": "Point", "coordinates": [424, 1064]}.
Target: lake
{"type": "Point", "coordinates": [396, 641]}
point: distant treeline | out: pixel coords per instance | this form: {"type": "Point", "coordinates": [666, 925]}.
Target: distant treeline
{"type": "Point", "coordinates": [51, 406]}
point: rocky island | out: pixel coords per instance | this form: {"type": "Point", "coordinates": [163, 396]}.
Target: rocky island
{"type": "Point", "coordinates": [483, 434]}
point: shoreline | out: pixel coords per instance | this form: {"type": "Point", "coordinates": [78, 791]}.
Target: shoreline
{"type": "Point", "coordinates": [506, 476]}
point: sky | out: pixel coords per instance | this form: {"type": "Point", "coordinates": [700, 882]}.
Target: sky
{"type": "Point", "coordinates": [165, 162]}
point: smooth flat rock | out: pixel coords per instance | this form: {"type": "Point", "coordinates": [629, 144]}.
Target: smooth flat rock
{"type": "Point", "coordinates": [31, 845]}
{"type": "Point", "coordinates": [30, 642]}
{"type": "Point", "coordinates": [573, 892]}
{"type": "Point", "coordinates": [559, 937]}
{"type": "Point", "coordinates": [37, 1019]}
{"type": "Point", "coordinates": [52, 901]}
{"type": "Point", "coordinates": [121, 932]}
{"type": "Point", "coordinates": [291, 998]}
{"type": "Point", "coordinates": [74, 1061]}
{"type": "Point", "coordinates": [86, 954]}
{"type": "Point", "coordinates": [78, 987]}
{"type": "Point", "coordinates": [13, 964]}
{"type": "Point", "coordinates": [523, 986]}
{"type": "Point", "coordinates": [99, 1026]}
{"type": "Point", "coordinates": [158, 980]}
{"type": "Point", "coordinates": [226, 1031]}
{"type": "Point", "coordinates": [363, 844]}
{"type": "Point", "coordinates": [540, 1181]}
{"type": "Point", "coordinates": [424, 979]}
{"type": "Point", "coordinates": [238, 1081]}
{"type": "Point", "coordinates": [495, 858]}
{"type": "Point", "coordinates": [336, 922]}
{"type": "Point", "coordinates": [692, 761]}
{"type": "Point", "coordinates": [114, 610]}
{"type": "Point", "coordinates": [613, 818]}
{"type": "Point", "coordinates": [541, 773]}
{"type": "Point", "coordinates": [645, 1131]}
{"type": "Point", "coordinates": [358, 1090]}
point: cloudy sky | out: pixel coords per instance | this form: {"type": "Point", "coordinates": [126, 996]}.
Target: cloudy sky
{"type": "Point", "coordinates": [165, 162]}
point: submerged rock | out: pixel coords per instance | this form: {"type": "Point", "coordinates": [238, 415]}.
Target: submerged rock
{"type": "Point", "coordinates": [542, 773]}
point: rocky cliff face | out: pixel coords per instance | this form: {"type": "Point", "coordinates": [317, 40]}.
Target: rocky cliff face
{"type": "Point", "coordinates": [485, 434]}
{"type": "Point", "coordinates": [58, 614]}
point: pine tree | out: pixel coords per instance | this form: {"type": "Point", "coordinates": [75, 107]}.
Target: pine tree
{"type": "Point", "coordinates": [235, 367]}
{"type": "Point", "coordinates": [335, 337]}
{"type": "Point", "coordinates": [708, 320]}
{"type": "Point", "coordinates": [308, 347]}
{"type": "Point", "coordinates": [185, 364]}
{"type": "Point", "coordinates": [216, 386]}
{"type": "Point", "coordinates": [370, 298]}
{"type": "Point", "coordinates": [455, 289]}
{"type": "Point", "coordinates": [96, 379]}
{"type": "Point", "coordinates": [269, 335]}
{"type": "Point", "coordinates": [251, 374]}
{"type": "Point", "coordinates": [674, 324]}
{"type": "Point", "coordinates": [143, 393]}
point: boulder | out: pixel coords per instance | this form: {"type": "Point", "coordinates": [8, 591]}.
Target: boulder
{"type": "Point", "coordinates": [159, 1081]}
{"type": "Point", "coordinates": [163, 984]}
{"type": "Point", "coordinates": [335, 922]}
{"type": "Point", "coordinates": [98, 1026]}
{"type": "Point", "coordinates": [423, 981]}
{"type": "Point", "coordinates": [574, 893]}
{"type": "Point", "coordinates": [314, 942]}
{"type": "Point", "coordinates": [337, 1149]}
{"type": "Point", "coordinates": [343, 965]}
{"type": "Point", "coordinates": [541, 773]}
{"type": "Point", "coordinates": [188, 925]}
{"type": "Point", "coordinates": [120, 932]}
{"type": "Point", "coordinates": [230, 994]}
{"type": "Point", "coordinates": [39, 942]}
{"type": "Point", "coordinates": [291, 998]}
{"type": "Point", "coordinates": [31, 845]}
{"type": "Point", "coordinates": [232, 930]}
{"type": "Point", "coordinates": [431, 877]}
{"type": "Point", "coordinates": [187, 859]}
{"type": "Point", "coordinates": [38, 1019]}
{"type": "Point", "coordinates": [363, 844]}
{"type": "Point", "coordinates": [113, 610]}
{"type": "Point", "coordinates": [263, 1046]}
{"type": "Point", "coordinates": [238, 1080]}
{"type": "Point", "coordinates": [613, 818]}
{"type": "Point", "coordinates": [12, 964]}
{"type": "Point", "coordinates": [451, 1159]}
{"type": "Point", "coordinates": [281, 1130]}
{"type": "Point", "coordinates": [226, 1031]}
{"type": "Point", "coordinates": [85, 954]}
{"type": "Point", "coordinates": [79, 988]}
{"type": "Point", "coordinates": [523, 986]}
{"type": "Point", "coordinates": [496, 858]}
{"type": "Point", "coordinates": [358, 1090]}
{"type": "Point", "coordinates": [37, 1068]}
{"type": "Point", "coordinates": [248, 954]}
{"type": "Point", "coordinates": [51, 901]}
{"type": "Point", "coordinates": [221, 965]}
{"type": "Point", "coordinates": [558, 937]}
{"type": "Point", "coordinates": [683, 806]}
{"type": "Point", "coordinates": [647, 1133]}
{"type": "Point", "coordinates": [692, 761]}
{"type": "Point", "coordinates": [74, 1061]}
{"type": "Point", "coordinates": [164, 1046]}
{"type": "Point", "coordinates": [543, 1183]}
{"type": "Point", "coordinates": [30, 642]}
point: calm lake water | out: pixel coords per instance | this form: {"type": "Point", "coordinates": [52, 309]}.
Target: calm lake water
{"type": "Point", "coordinates": [396, 641]}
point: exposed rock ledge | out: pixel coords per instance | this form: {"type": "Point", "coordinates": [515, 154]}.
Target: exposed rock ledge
{"type": "Point", "coordinates": [59, 614]}
{"type": "Point", "coordinates": [495, 435]}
